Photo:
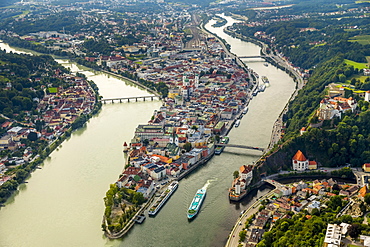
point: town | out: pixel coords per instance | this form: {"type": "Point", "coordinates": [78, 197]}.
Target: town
{"type": "Point", "coordinates": [305, 199]}
{"type": "Point", "coordinates": [205, 91]}
{"type": "Point", "coordinates": [65, 103]}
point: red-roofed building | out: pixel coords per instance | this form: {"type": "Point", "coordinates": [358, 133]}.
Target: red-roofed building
{"type": "Point", "coordinates": [300, 162]}
{"type": "Point", "coordinates": [132, 171]}
{"type": "Point", "coordinates": [246, 171]}
{"type": "Point", "coordinates": [312, 165]}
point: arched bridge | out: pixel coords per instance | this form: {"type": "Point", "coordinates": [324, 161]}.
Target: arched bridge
{"type": "Point", "coordinates": [240, 146]}
{"type": "Point", "coordinates": [130, 98]}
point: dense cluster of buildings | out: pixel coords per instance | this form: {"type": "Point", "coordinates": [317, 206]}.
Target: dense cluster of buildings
{"type": "Point", "coordinates": [57, 110]}
{"type": "Point", "coordinates": [194, 112]}
{"type": "Point", "coordinates": [207, 92]}
{"type": "Point", "coordinates": [301, 196]}
{"type": "Point", "coordinates": [335, 104]}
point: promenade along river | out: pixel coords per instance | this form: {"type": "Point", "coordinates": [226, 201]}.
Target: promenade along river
{"type": "Point", "coordinates": [62, 203]}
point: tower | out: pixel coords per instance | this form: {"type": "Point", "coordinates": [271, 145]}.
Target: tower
{"type": "Point", "coordinates": [367, 96]}
{"type": "Point", "coordinates": [196, 81]}
{"type": "Point", "coordinates": [185, 80]}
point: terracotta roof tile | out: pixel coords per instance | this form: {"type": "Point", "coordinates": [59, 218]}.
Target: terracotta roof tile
{"type": "Point", "coordinates": [299, 156]}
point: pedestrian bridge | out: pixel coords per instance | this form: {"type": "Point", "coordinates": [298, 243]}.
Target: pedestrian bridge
{"type": "Point", "coordinates": [240, 146]}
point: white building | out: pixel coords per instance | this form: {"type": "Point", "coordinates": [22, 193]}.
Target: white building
{"type": "Point", "coordinates": [300, 162]}
{"type": "Point", "coordinates": [246, 171]}
{"type": "Point", "coordinates": [333, 236]}
{"type": "Point", "coordinates": [367, 96]}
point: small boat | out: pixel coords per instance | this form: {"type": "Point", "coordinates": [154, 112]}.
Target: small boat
{"type": "Point", "coordinates": [225, 140]}
{"type": "Point", "coordinates": [237, 123]}
{"type": "Point", "coordinates": [245, 110]}
{"type": "Point", "coordinates": [262, 88]}
{"type": "Point", "coordinates": [196, 203]}
{"type": "Point", "coordinates": [266, 64]}
{"type": "Point", "coordinates": [265, 79]}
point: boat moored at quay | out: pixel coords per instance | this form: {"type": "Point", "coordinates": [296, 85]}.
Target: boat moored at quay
{"type": "Point", "coordinates": [245, 110]}
{"type": "Point", "coordinates": [262, 88]}
{"type": "Point", "coordinates": [224, 140]}
{"type": "Point", "coordinates": [163, 198]}
{"type": "Point", "coordinates": [265, 79]}
{"type": "Point", "coordinates": [196, 203]}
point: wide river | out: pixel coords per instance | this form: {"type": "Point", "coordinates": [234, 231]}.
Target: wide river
{"type": "Point", "coordinates": [62, 203]}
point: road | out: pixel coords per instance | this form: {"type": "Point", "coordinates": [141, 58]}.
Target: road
{"type": "Point", "coordinates": [233, 239]}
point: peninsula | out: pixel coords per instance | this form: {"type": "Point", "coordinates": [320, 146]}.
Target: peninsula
{"type": "Point", "coordinates": [207, 93]}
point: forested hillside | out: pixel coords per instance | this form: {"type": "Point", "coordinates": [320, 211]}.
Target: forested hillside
{"type": "Point", "coordinates": [22, 82]}
{"type": "Point", "coordinates": [320, 41]}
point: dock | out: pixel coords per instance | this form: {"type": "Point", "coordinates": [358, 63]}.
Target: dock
{"type": "Point", "coordinates": [140, 219]}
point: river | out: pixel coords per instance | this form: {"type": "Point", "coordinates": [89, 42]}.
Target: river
{"type": "Point", "coordinates": [61, 205]}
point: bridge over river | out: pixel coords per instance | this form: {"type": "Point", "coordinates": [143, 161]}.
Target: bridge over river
{"type": "Point", "coordinates": [240, 146]}
{"type": "Point", "coordinates": [152, 97]}
{"type": "Point", "coordinates": [252, 56]}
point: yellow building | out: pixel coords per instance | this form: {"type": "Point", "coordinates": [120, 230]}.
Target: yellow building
{"type": "Point", "coordinates": [366, 167]}
{"type": "Point", "coordinates": [173, 92]}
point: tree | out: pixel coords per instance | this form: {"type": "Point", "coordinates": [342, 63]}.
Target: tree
{"type": "Point", "coordinates": [138, 198]}
{"type": "Point", "coordinates": [187, 146]}
{"type": "Point", "coordinates": [335, 202]}
{"type": "Point", "coordinates": [354, 230]}
{"type": "Point", "coordinates": [32, 136]}
{"type": "Point", "coordinates": [236, 174]}
{"type": "Point", "coordinates": [367, 198]}
{"type": "Point", "coordinates": [242, 235]}
{"type": "Point", "coordinates": [335, 187]}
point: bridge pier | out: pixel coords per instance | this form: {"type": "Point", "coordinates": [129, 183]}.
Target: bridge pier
{"type": "Point", "coordinates": [112, 101]}
{"type": "Point", "coordinates": [151, 98]}
{"type": "Point", "coordinates": [144, 98]}
{"type": "Point", "coordinates": [120, 100]}
{"type": "Point", "coordinates": [128, 100]}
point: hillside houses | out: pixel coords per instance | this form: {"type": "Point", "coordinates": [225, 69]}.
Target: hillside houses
{"type": "Point", "coordinates": [335, 107]}
{"type": "Point", "coordinates": [58, 109]}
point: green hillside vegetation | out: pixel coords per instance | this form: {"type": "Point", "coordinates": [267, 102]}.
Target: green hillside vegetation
{"type": "Point", "coordinates": [306, 49]}
{"type": "Point", "coordinates": [21, 81]}
{"type": "Point", "coordinates": [356, 65]}
{"type": "Point", "coordinates": [362, 39]}
{"type": "Point", "coordinates": [340, 140]}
